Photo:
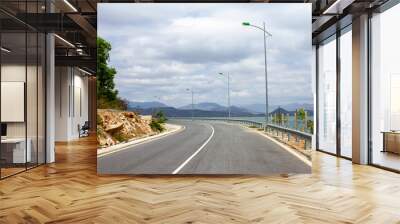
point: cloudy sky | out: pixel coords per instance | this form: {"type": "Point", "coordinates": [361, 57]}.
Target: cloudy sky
{"type": "Point", "coordinates": [160, 50]}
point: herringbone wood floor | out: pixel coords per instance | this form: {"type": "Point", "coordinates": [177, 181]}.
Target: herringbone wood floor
{"type": "Point", "coordinates": [69, 191]}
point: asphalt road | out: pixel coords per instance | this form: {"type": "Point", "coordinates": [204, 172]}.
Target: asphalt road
{"type": "Point", "coordinates": [204, 148]}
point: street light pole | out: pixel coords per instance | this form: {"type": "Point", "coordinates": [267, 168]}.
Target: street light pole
{"type": "Point", "coordinates": [192, 105]}
{"type": "Point", "coordinates": [265, 32]}
{"type": "Point", "coordinates": [229, 99]}
{"type": "Point", "coordinates": [266, 79]}
{"type": "Point", "coordinates": [229, 95]}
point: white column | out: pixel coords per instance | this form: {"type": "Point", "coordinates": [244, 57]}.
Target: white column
{"type": "Point", "coordinates": [62, 103]}
{"type": "Point", "coordinates": [360, 90]}
{"type": "Point", "coordinates": [50, 100]}
{"type": "Point", "coordinates": [50, 92]}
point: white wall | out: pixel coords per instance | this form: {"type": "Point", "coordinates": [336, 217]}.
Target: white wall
{"type": "Point", "coordinates": [17, 73]}
{"type": "Point", "coordinates": [62, 81]}
{"type": "Point", "coordinates": [33, 126]}
{"type": "Point", "coordinates": [80, 109]}
{"type": "Point", "coordinates": [12, 73]}
{"type": "Point", "coordinates": [71, 102]}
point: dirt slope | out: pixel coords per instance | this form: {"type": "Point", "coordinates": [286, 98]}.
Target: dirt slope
{"type": "Point", "coordinates": [114, 127]}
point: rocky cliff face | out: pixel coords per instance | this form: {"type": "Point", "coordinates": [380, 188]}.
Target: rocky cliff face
{"type": "Point", "coordinates": [114, 127]}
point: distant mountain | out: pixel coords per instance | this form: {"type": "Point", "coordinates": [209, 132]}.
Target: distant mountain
{"type": "Point", "coordinates": [294, 106]}
{"type": "Point", "coordinates": [236, 109]}
{"type": "Point", "coordinates": [174, 112]}
{"type": "Point", "coordinates": [260, 108]}
{"type": "Point", "coordinates": [215, 107]}
{"type": "Point", "coordinates": [146, 105]}
{"type": "Point", "coordinates": [204, 106]}
{"type": "Point", "coordinates": [279, 110]}
{"type": "Point", "coordinates": [207, 109]}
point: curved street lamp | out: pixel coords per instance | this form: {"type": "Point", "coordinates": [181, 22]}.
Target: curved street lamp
{"type": "Point", "coordinates": [265, 32]}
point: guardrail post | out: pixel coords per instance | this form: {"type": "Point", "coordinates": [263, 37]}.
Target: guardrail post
{"type": "Point", "coordinates": [305, 143]}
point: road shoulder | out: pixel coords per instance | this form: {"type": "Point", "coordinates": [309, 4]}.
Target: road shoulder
{"type": "Point", "coordinates": [171, 129]}
{"type": "Point", "coordinates": [284, 146]}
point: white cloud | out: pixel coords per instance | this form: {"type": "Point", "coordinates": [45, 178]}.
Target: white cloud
{"type": "Point", "coordinates": [162, 49]}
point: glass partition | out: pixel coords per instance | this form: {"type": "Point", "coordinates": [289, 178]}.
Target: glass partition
{"type": "Point", "coordinates": [31, 97]}
{"type": "Point", "coordinates": [327, 95]}
{"type": "Point", "coordinates": [385, 89]}
{"type": "Point", "coordinates": [22, 92]}
{"type": "Point", "coordinates": [14, 153]}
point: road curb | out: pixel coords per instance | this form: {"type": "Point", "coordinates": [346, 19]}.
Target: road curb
{"type": "Point", "coordinates": [125, 145]}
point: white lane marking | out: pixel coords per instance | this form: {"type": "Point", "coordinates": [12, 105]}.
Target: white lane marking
{"type": "Point", "coordinates": [195, 153]}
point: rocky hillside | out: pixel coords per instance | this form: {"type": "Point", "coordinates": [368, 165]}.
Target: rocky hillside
{"type": "Point", "coordinates": [114, 127]}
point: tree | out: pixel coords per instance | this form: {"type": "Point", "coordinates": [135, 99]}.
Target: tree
{"type": "Point", "coordinates": [302, 115]}
{"type": "Point", "coordinates": [107, 95]}
{"type": "Point", "coordinates": [160, 116]}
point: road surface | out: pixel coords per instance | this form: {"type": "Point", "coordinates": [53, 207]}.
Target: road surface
{"type": "Point", "coordinates": [204, 148]}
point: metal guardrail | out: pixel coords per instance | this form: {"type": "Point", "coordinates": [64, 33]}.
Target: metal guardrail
{"type": "Point", "coordinates": [289, 136]}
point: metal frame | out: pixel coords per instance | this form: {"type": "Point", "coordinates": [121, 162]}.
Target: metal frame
{"type": "Point", "coordinates": [369, 98]}
{"type": "Point", "coordinates": [338, 98]}
{"type": "Point", "coordinates": [0, 92]}
{"type": "Point", "coordinates": [44, 73]}
{"type": "Point", "coordinates": [26, 90]}
{"type": "Point", "coordinates": [317, 97]}
{"type": "Point", "coordinates": [318, 83]}
{"type": "Point", "coordinates": [339, 32]}
{"type": "Point", "coordinates": [389, 4]}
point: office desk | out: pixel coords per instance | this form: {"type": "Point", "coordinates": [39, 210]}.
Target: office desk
{"type": "Point", "coordinates": [13, 150]}
{"type": "Point", "coordinates": [391, 141]}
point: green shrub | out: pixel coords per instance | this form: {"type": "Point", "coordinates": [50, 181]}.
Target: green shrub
{"type": "Point", "coordinates": [156, 126]}
{"type": "Point", "coordinates": [310, 125]}
{"type": "Point", "coordinates": [120, 137]}
{"type": "Point", "coordinates": [117, 104]}
{"type": "Point", "coordinates": [160, 117]}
